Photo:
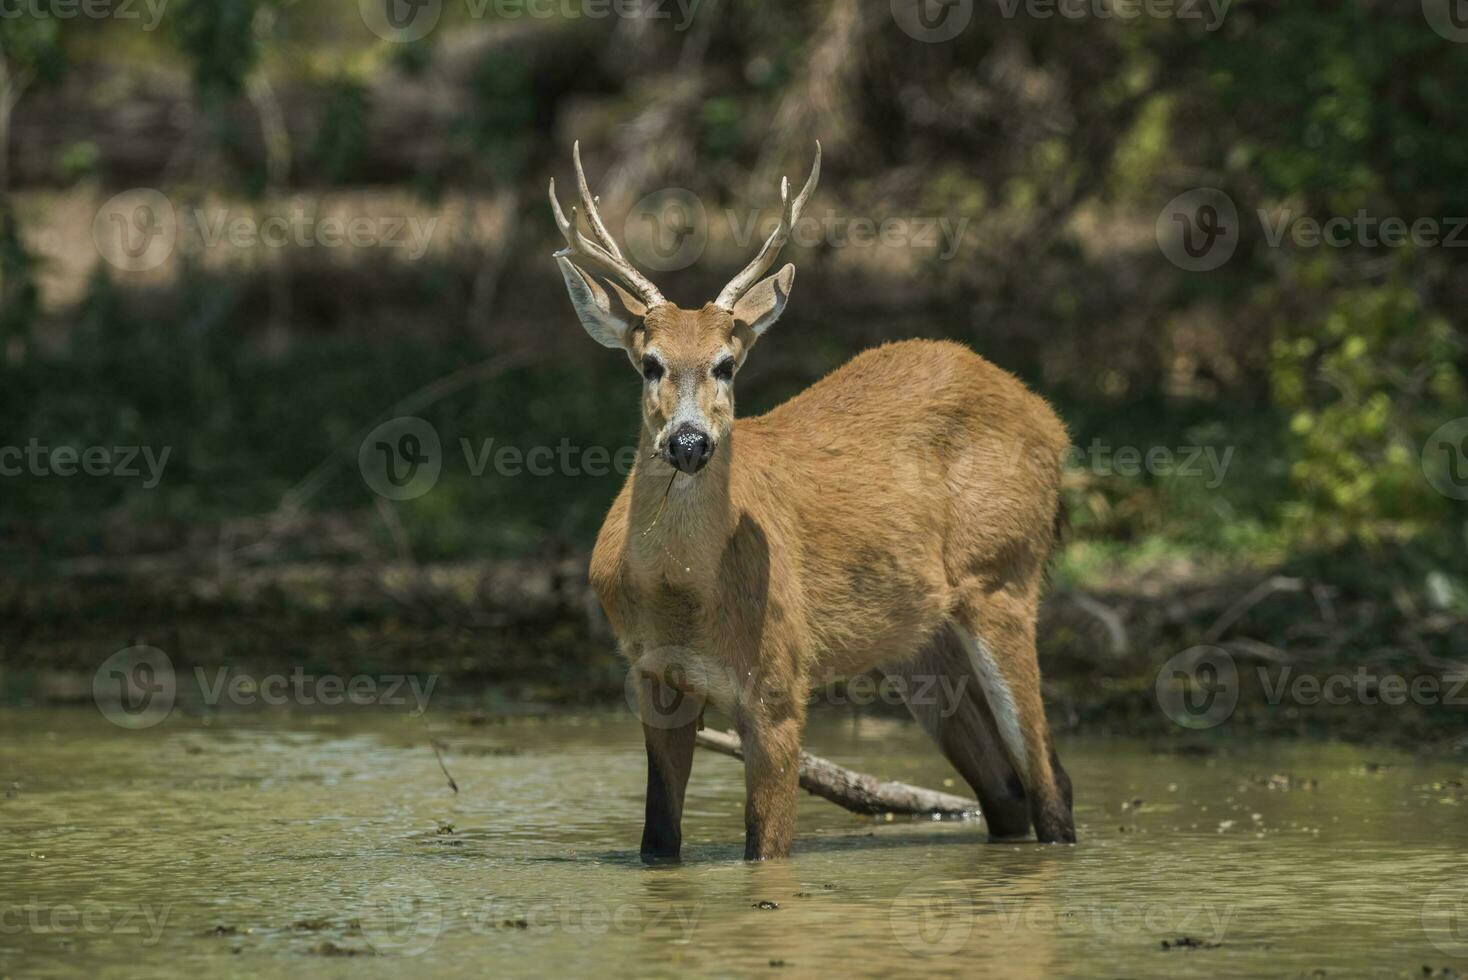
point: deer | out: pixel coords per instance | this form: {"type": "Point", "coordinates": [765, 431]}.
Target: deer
{"type": "Point", "coordinates": [898, 515]}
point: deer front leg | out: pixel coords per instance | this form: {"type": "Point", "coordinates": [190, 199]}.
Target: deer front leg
{"type": "Point", "coordinates": [670, 720]}
{"type": "Point", "coordinates": [771, 735]}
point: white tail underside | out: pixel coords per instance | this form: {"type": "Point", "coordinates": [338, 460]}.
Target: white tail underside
{"type": "Point", "coordinates": [1001, 700]}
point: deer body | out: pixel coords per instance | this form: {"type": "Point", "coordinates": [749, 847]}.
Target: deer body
{"type": "Point", "coordinates": [897, 514]}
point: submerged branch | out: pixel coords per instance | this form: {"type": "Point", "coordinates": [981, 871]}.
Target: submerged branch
{"type": "Point", "coordinates": [853, 790]}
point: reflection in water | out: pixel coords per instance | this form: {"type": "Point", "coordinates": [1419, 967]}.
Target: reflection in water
{"type": "Point", "coordinates": [264, 843]}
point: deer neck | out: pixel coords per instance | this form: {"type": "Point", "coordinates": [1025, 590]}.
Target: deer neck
{"type": "Point", "coordinates": [679, 523]}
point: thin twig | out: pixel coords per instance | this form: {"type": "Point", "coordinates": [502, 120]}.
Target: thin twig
{"type": "Point", "coordinates": [433, 743]}
{"type": "Point", "coordinates": [1110, 618]}
{"type": "Point", "coordinates": [293, 499]}
{"type": "Point", "coordinates": [439, 756]}
{"type": "Point", "coordinates": [1252, 598]}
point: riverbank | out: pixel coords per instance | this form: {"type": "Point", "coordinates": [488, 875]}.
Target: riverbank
{"type": "Point", "coordinates": [1279, 650]}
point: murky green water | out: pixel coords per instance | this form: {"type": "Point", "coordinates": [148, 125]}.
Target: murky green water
{"type": "Point", "coordinates": [320, 845]}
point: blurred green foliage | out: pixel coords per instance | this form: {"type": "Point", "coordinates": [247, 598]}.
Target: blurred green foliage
{"type": "Point", "coordinates": [1367, 386]}
{"type": "Point", "coordinates": [341, 142]}
{"type": "Point", "coordinates": [220, 41]}
{"type": "Point", "coordinates": [1331, 364]}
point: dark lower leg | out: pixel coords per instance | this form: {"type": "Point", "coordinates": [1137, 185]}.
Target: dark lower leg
{"type": "Point", "coordinates": [669, 762]}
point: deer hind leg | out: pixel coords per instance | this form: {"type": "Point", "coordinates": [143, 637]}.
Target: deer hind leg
{"type": "Point", "coordinates": [944, 694]}
{"type": "Point", "coordinates": [997, 632]}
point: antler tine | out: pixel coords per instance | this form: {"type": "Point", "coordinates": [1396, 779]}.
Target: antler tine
{"type": "Point", "coordinates": [578, 244]}
{"type": "Point", "coordinates": [588, 204]}
{"type": "Point", "coordinates": [567, 228]}
{"type": "Point", "coordinates": [604, 252]}
{"type": "Point", "coordinates": [789, 215]}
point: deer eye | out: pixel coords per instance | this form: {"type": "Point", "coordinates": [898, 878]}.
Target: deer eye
{"type": "Point", "coordinates": [724, 370]}
{"type": "Point", "coordinates": [652, 369]}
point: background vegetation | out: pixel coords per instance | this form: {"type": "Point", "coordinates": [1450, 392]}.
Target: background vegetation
{"type": "Point", "coordinates": [1057, 141]}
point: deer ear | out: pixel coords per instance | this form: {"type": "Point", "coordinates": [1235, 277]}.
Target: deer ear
{"type": "Point", "coordinates": [608, 325]}
{"type": "Point", "coordinates": [759, 308]}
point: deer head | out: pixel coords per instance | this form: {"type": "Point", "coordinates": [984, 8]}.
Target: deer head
{"type": "Point", "coordinates": [687, 358]}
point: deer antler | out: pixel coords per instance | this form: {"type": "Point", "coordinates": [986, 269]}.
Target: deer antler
{"type": "Point", "coordinates": [603, 252]}
{"type": "Point", "coordinates": [789, 215]}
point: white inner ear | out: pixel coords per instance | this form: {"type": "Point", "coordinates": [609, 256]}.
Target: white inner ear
{"type": "Point", "coordinates": [607, 327]}
{"type": "Point", "coordinates": [759, 308]}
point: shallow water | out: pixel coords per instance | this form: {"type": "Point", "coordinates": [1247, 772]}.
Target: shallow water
{"type": "Point", "coordinates": [256, 844]}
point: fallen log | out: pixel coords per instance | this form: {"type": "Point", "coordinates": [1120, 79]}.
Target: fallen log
{"type": "Point", "coordinates": [856, 791]}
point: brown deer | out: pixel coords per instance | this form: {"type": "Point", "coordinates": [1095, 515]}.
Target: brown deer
{"type": "Point", "coordinates": [898, 514]}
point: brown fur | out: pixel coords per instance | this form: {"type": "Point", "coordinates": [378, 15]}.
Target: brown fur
{"type": "Point", "coordinates": [912, 491]}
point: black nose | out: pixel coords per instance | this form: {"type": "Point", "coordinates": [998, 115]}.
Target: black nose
{"type": "Point", "coordinates": [689, 448]}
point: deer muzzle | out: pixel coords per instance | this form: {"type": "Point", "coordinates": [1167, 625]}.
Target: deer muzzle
{"type": "Point", "coordinates": [689, 448]}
